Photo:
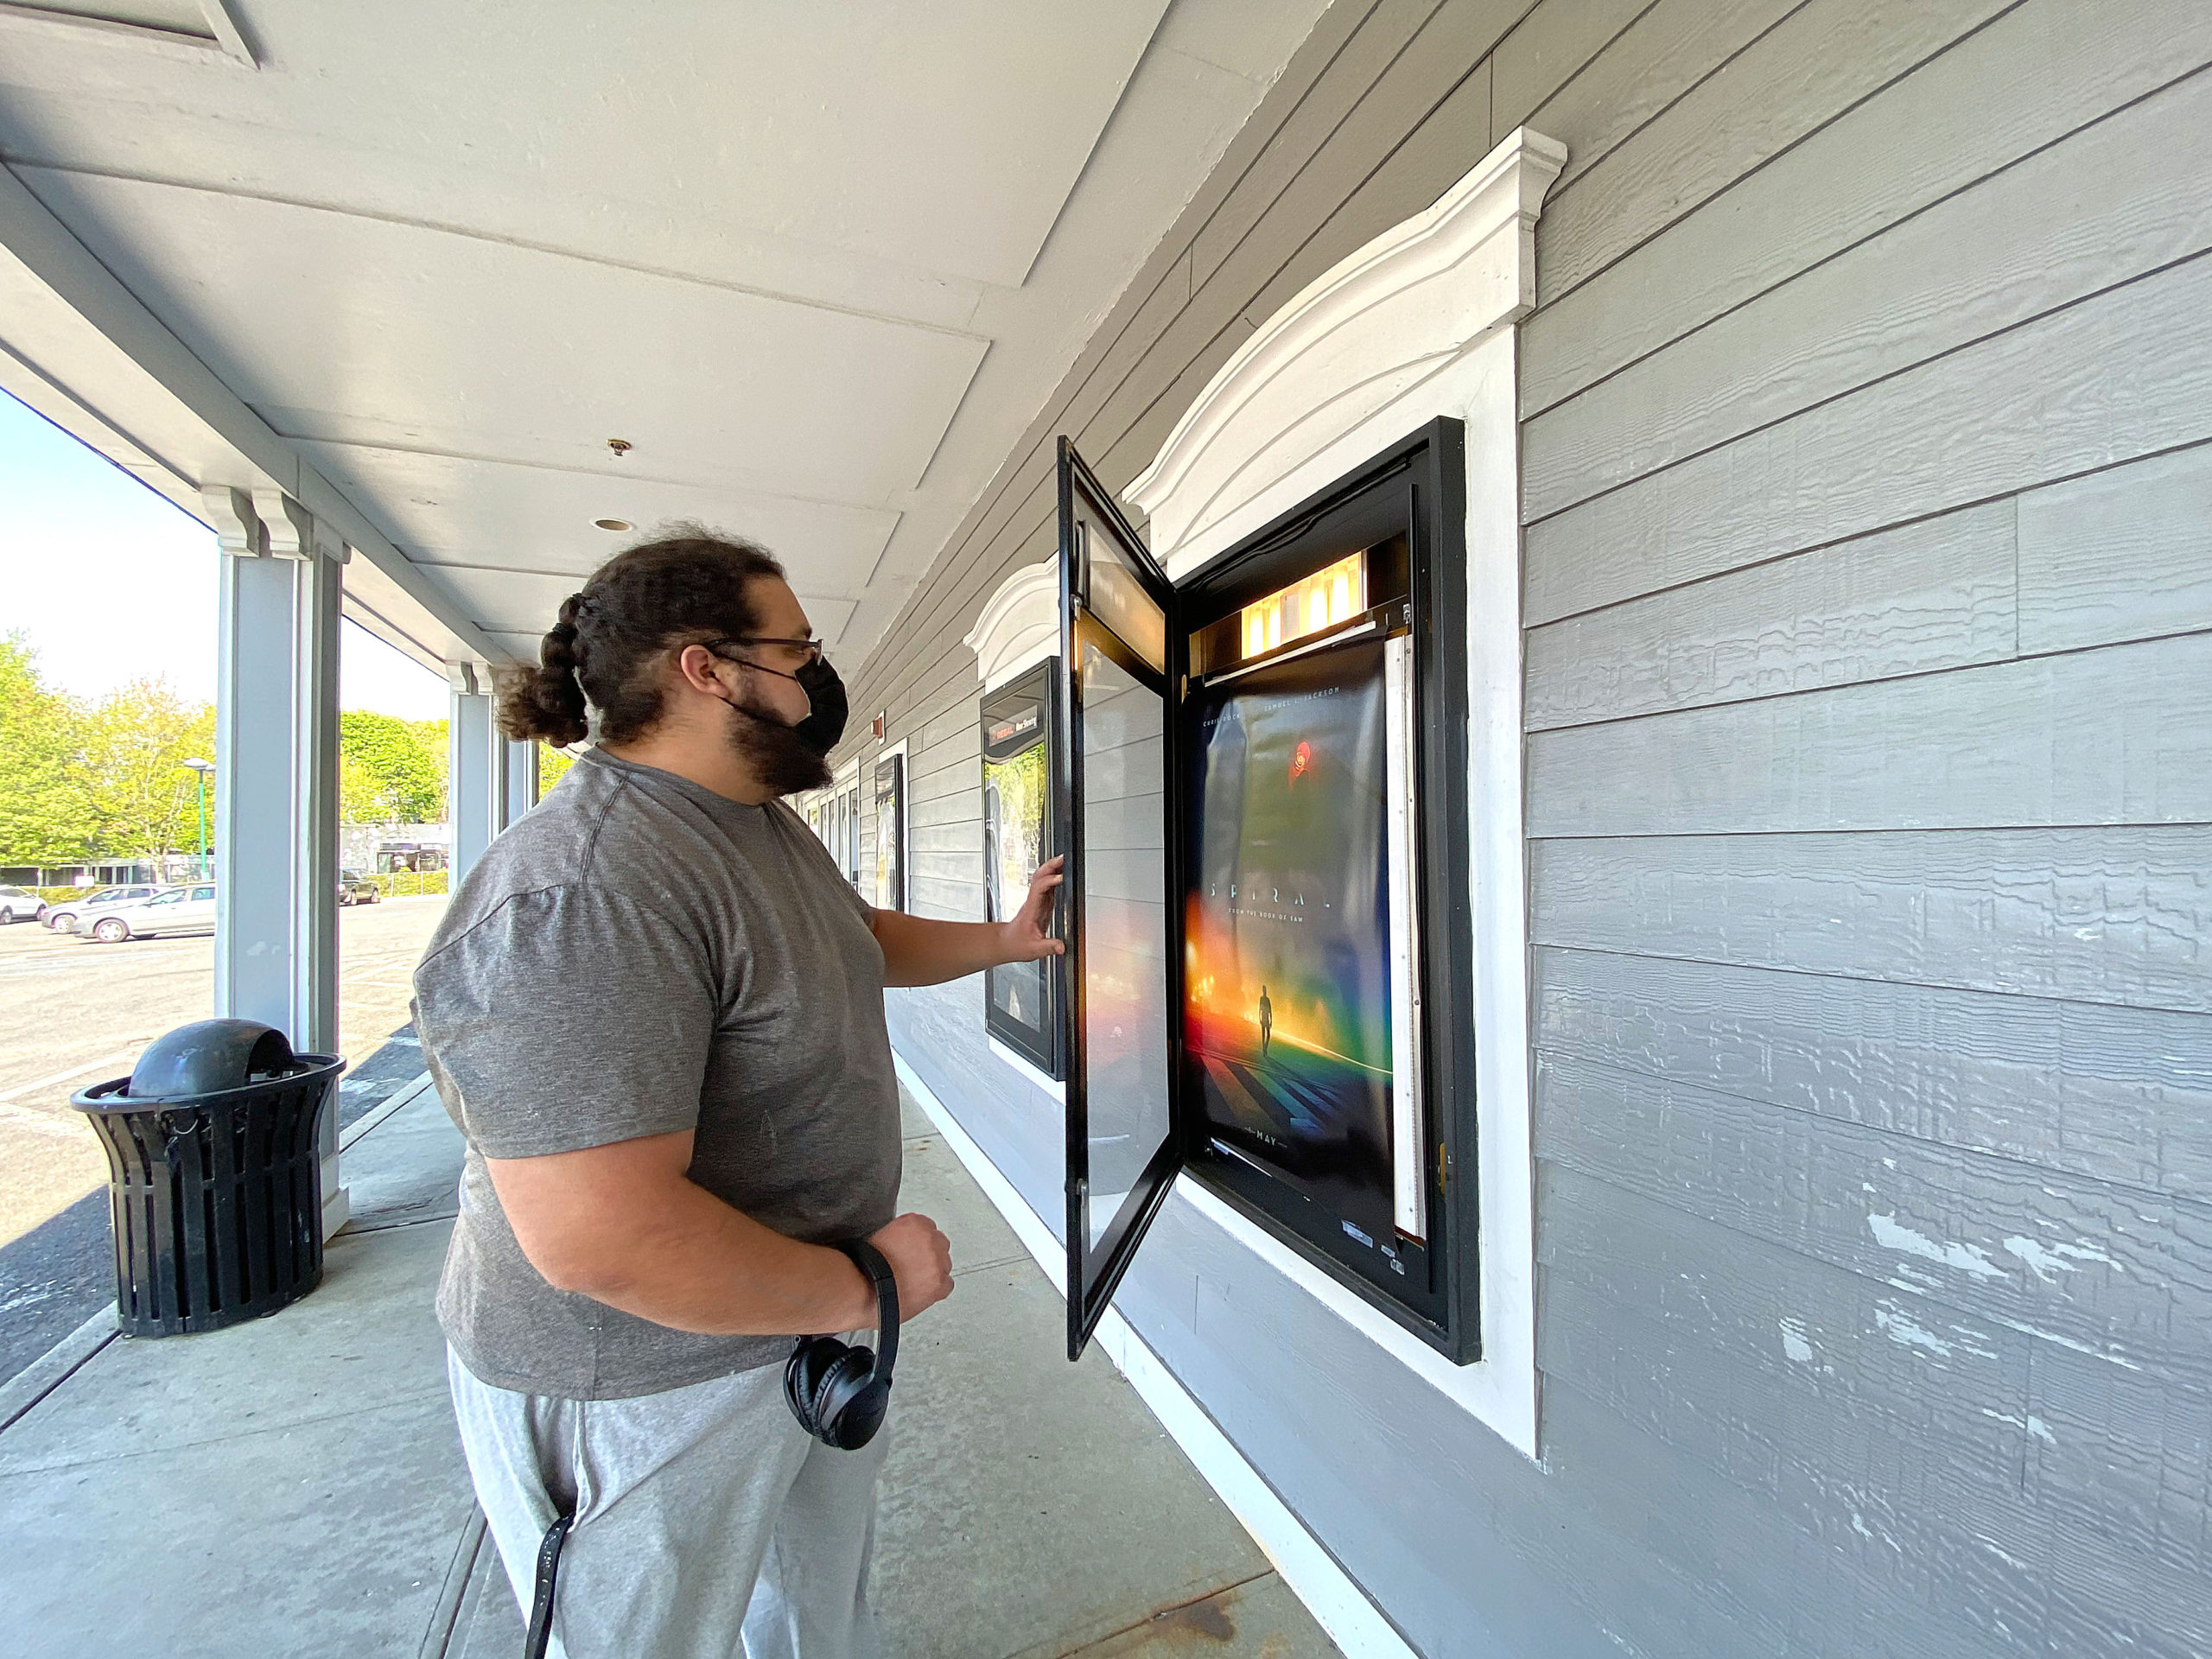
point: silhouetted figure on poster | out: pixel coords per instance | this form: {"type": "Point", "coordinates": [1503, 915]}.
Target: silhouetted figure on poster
{"type": "Point", "coordinates": [1267, 1021]}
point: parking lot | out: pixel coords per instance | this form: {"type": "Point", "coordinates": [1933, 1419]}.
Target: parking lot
{"type": "Point", "coordinates": [79, 1013]}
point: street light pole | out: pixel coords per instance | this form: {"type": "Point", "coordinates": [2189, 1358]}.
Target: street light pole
{"type": "Point", "coordinates": [202, 768]}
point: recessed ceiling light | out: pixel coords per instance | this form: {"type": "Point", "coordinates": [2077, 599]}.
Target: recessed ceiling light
{"type": "Point", "coordinates": [614, 524]}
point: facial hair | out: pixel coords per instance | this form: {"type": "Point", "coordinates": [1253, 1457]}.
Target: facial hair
{"type": "Point", "coordinates": [772, 751]}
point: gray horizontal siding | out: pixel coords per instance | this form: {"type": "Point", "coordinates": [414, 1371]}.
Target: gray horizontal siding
{"type": "Point", "coordinates": [1943, 593]}
{"type": "Point", "coordinates": [2121, 735]}
{"type": "Point", "coordinates": [1988, 103]}
{"type": "Point", "coordinates": [2117, 377]}
{"type": "Point", "coordinates": [2112, 916]}
{"type": "Point", "coordinates": [1821, 59]}
{"type": "Point", "coordinates": [1979, 261]}
{"type": "Point", "coordinates": [1889, 1434]}
{"type": "Point", "coordinates": [1868, 469]}
{"type": "Point", "coordinates": [2112, 1271]}
{"type": "Point", "coordinates": [2106, 1093]}
{"type": "Point", "coordinates": [2122, 555]}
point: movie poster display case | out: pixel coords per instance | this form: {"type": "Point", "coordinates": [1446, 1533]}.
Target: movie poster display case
{"type": "Point", "coordinates": [1258, 777]}
{"type": "Point", "coordinates": [1022, 1000]}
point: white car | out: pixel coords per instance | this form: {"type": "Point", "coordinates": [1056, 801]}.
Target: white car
{"type": "Point", "coordinates": [63, 914]}
{"type": "Point", "coordinates": [16, 905]}
{"type": "Point", "coordinates": [180, 910]}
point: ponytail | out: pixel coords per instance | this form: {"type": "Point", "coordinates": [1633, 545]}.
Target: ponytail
{"type": "Point", "coordinates": [546, 704]}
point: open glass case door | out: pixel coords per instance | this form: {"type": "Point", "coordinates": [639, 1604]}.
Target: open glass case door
{"type": "Point", "coordinates": [1116, 800]}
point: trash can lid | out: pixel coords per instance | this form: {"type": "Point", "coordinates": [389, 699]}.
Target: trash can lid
{"type": "Point", "coordinates": [208, 1056]}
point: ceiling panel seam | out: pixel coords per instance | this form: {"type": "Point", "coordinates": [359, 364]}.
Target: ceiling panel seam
{"type": "Point", "coordinates": [579, 577]}
{"type": "Point", "coordinates": [551, 250]}
{"type": "Point", "coordinates": [1098, 139]}
{"type": "Point", "coordinates": [620, 472]}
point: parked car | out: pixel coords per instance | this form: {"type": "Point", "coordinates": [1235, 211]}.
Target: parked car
{"type": "Point", "coordinates": [180, 910]}
{"type": "Point", "coordinates": [354, 888]}
{"type": "Point", "coordinates": [63, 913]}
{"type": "Point", "coordinates": [16, 905]}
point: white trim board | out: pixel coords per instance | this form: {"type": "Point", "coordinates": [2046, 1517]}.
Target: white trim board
{"type": "Point", "coordinates": [1334, 1597]}
{"type": "Point", "coordinates": [1028, 1072]}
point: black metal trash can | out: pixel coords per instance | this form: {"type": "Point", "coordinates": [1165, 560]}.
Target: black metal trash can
{"type": "Point", "coordinates": [215, 1177]}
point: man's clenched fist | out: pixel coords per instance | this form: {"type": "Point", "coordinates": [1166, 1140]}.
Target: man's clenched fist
{"type": "Point", "coordinates": [921, 1260]}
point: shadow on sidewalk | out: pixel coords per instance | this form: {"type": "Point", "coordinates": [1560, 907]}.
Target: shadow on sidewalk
{"type": "Point", "coordinates": [62, 1272]}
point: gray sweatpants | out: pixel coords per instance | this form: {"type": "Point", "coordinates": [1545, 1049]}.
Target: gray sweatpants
{"type": "Point", "coordinates": [705, 1516]}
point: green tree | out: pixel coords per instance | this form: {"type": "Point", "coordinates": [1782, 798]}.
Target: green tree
{"type": "Point", "coordinates": [361, 795]}
{"type": "Point", "coordinates": [432, 735]}
{"type": "Point", "coordinates": [145, 801]}
{"type": "Point", "coordinates": [390, 770]}
{"type": "Point", "coordinates": [45, 816]}
{"type": "Point", "coordinates": [552, 766]}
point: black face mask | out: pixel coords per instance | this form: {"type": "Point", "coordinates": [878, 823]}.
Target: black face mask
{"type": "Point", "coordinates": [825, 699]}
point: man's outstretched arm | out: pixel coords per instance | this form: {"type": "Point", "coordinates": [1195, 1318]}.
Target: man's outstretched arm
{"type": "Point", "coordinates": [919, 952]}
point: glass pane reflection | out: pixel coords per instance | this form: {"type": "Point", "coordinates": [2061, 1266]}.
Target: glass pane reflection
{"type": "Point", "coordinates": [1125, 929]}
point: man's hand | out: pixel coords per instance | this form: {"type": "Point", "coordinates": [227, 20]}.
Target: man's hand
{"type": "Point", "coordinates": [921, 1261]}
{"type": "Point", "coordinates": [1025, 938]}
{"type": "Point", "coordinates": [922, 950]}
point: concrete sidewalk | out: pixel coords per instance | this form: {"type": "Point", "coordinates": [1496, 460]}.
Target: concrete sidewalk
{"type": "Point", "coordinates": [295, 1486]}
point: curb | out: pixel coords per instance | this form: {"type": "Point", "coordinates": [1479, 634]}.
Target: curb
{"type": "Point", "coordinates": [55, 1366]}
{"type": "Point", "coordinates": [406, 1095]}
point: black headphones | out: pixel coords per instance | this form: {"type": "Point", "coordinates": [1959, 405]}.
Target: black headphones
{"type": "Point", "coordinates": [837, 1392]}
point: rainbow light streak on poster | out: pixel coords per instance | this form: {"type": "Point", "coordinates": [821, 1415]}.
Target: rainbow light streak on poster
{"type": "Point", "coordinates": [1286, 1010]}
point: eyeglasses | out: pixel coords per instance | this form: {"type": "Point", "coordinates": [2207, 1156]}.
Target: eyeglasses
{"type": "Point", "coordinates": [811, 646]}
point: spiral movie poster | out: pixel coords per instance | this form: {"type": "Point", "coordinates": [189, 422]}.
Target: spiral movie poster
{"type": "Point", "coordinates": [1287, 933]}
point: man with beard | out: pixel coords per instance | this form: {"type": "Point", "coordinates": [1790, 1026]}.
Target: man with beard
{"type": "Point", "coordinates": [655, 1009]}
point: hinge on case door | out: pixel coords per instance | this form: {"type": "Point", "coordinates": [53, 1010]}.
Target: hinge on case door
{"type": "Point", "coordinates": [1443, 1167]}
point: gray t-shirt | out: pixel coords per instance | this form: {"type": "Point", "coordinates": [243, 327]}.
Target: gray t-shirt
{"type": "Point", "coordinates": [640, 955]}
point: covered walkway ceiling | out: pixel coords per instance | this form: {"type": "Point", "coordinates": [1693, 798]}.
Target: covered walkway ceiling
{"type": "Point", "coordinates": [817, 266]}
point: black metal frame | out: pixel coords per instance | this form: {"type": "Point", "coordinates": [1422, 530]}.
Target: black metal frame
{"type": "Point", "coordinates": [1095, 1270]}
{"type": "Point", "coordinates": [1043, 1048]}
{"type": "Point", "coordinates": [1416, 487]}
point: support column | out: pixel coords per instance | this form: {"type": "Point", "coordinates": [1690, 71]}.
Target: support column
{"type": "Point", "coordinates": [521, 782]}
{"type": "Point", "coordinates": [276, 818]}
{"type": "Point", "coordinates": [474, 770]}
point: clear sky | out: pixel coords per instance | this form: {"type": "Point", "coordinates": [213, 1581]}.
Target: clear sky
{"type": "Point", "coordinates": [111, 583]}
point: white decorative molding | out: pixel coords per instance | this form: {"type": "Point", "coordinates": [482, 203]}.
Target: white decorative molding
{"type": "Point", "coordinates": [238, 531]}
{"type": "Point", "coordinates": [1020, 626]}
{"type": "Point", "coordinates": [1417, 324]}
{"type": "Point", "coordinates": [1354, 342]}
{"type": "Point", "coordinates": [295, 533]}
